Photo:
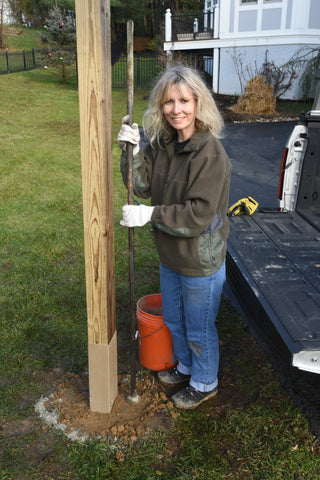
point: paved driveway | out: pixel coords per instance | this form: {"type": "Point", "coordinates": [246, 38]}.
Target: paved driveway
{"type": "Point", "coordinates": [255, 151]}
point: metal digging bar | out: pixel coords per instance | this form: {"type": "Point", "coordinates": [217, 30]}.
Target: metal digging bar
{"type": "Point", "coordinates": [133, 397]}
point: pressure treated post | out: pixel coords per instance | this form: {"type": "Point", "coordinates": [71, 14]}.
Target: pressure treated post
{"type": "Point", "coordinates": [94, 76]}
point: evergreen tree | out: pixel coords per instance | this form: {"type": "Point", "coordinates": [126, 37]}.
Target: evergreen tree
{"type": "Point", "coordinates": [148, 15]}
{"type": "Point", "coordinates": [60, 37]}
{"type": "Point", "coordinates": [34, 12]}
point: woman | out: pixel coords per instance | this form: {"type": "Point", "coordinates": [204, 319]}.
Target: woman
{"type": "Point", "coordinates": [186, 171]}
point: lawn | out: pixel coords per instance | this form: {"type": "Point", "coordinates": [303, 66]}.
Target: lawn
{"type": "Point", "coordinates": [18, 38]}
{"type": "Point", "coordinates": [252, 430]}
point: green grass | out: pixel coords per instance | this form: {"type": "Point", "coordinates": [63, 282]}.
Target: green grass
{"type": "Point", "coordinates": [19, 38]}
{"type": "Point", "coordinates": [294, 107]}
{"type": "Point", "coordinates": [252, 431]}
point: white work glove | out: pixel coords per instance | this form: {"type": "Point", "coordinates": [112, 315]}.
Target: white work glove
{"type": "Point", "coordinates": [136, 215]}
{"type": "Point", "coordinates": [129, 134]}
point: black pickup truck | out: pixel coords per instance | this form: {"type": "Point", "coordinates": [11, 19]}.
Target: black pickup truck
{"type": "Point", "coordinates": [273, 260]}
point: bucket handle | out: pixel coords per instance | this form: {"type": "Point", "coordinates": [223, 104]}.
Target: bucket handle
{"type": "Point", "coordinates": [149, 334]}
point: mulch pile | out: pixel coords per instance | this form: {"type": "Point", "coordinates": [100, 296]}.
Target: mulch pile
{"type": "Point", "coordinates": [258, 98]}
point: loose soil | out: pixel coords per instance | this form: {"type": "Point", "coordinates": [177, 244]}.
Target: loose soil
{"type": "Point", "coordinates": [126, 422]}
{"type": "Point", "coordinates": [68, 397]}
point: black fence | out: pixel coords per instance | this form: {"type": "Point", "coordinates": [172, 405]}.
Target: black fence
{"type": "Point", "coordinates": [146, 67]}
{"type": "Point", "coordinates": [19, 61]}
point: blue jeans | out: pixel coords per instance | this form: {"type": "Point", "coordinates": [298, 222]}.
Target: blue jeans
{"type": "Point", "coordinates": [189, 307]}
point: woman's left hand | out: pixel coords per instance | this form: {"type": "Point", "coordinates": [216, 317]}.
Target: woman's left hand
{"type": "Point", "coordinates": [129, 134]}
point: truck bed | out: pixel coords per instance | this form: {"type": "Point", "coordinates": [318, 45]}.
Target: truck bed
{"type": "Point", "coordinates": [273, 260]}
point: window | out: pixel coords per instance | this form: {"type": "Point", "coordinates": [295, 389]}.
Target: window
{"type": "Point", "coordinates": [272, 1]}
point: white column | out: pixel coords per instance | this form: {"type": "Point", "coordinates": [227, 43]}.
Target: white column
{"type": "Point", "coordinates": [216, 70]}
{"type": "Point", "coordinates": [216, 29]}
{"type": "Point", "coordinates": [168, 26]}
{"type": "Point", "coordinates": [205, 20]}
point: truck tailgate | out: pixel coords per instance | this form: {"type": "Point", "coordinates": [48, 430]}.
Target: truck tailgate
{"type": "Point", "coordinates": [273, 260]}
{"type": "Point", "coordinates": [278, 258]}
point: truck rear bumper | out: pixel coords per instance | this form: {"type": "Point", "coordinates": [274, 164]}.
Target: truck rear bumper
{"type": "Point", "coordinates": [308, 361]}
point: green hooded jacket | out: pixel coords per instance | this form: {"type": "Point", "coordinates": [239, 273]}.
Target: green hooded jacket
{"type": "Point", "coordinates": [190, 193]}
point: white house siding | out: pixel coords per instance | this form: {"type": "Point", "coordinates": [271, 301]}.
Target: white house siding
{"type": "Point", "coordinates": [279, 29]}
{"type": "Point", "coordinates": [280, 17]}
{"type": "Point", "coordinates": [246, 30]}
{"type": "Point", "coordinates": [253, 58]}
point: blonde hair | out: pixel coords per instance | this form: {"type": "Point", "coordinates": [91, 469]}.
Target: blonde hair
{"type": "Point", "coordinates": [208, 116]}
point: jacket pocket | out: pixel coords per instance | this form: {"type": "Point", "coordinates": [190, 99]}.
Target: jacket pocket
{"type": "Point", "coordinates": [215, 225]}
{"type": "Point", "coordinates": [210, 250]}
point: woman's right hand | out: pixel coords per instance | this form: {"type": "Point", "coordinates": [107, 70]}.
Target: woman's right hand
{"type": "Point", "coordinates": [129, 134]}
{"type": "Point", "coordinates": [136, 215]}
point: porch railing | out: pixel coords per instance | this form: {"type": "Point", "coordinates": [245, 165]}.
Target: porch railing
{"type": "Point", "coordinates": [193, 26]}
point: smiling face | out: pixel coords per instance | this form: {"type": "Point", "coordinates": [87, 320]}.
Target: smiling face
{"type": "Point", "coordinates": [179, 109]}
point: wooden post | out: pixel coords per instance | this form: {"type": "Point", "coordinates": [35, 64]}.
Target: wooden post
{"type": "Point", "coordinates": [94, 77]}
{"type": "Point", "coordinates": [1, 25]}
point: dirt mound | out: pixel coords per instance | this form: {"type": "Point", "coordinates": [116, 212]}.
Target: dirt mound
{"type": "Point", "coordinates": [12, 31]}
{"type": "Point", "coordinates": [68, 409]}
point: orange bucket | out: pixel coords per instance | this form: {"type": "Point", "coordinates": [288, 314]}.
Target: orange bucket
{"type": "Point", "coordinates": [155, 343]}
